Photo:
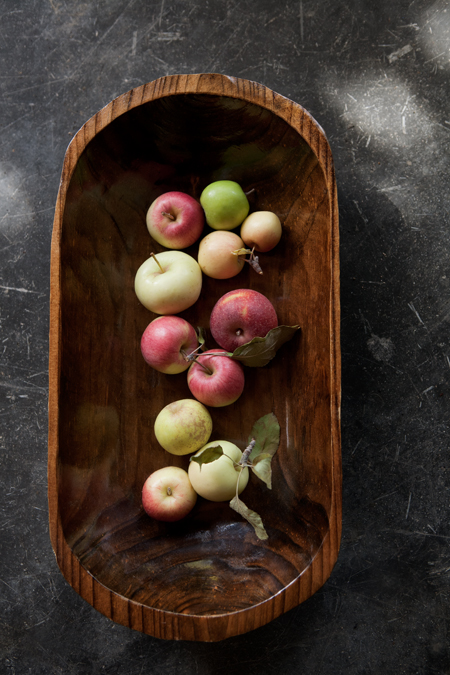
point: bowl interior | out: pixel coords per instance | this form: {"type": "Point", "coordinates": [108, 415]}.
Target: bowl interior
{"type": "Point", "coordinates": [211, 562]}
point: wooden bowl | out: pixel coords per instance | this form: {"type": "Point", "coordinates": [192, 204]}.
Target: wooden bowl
{"type": "Point", "coordinates": [206, 577]}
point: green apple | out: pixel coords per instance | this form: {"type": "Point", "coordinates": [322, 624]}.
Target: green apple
{"type": "Point", "coordinates": [182, 427]}
{"type": "Point", "coordinates": [225, 204]}
{"type": "Point", "coordinates": [217, 480]}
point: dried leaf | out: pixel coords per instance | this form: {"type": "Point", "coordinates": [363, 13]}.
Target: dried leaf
{"type": "Point", "coordinates": [242, 251]}
{"type": "Point", "coordinates": [208, 455]}
{"type": "Point", "coordinates": [266, 432]}
{"type": "Point", "coordinates": [251, 516]}
{"type": "Point", "coordinates": [261, 350]}
{"type": "Point", "coordinates": [262, 467]}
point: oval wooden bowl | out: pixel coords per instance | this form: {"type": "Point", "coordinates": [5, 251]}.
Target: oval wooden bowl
{"type": "Point", "coordinates": [206, 577]}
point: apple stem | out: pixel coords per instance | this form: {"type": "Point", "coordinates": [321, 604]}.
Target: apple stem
{"type": "Point", "coordinates": [217, 354]}
{"type": "Point", "coordinates": [168, 215]}
{"type": "Point", "coordinates": [191, 356]}
{"type": "Point", "coordinates": [253, 261]}
{"type": "Point", "coordinates": [157, 261]}
{"type": "Point", "coordinates": [194, 357]}
{"type": "Point", "coordinates": [205, 368]}
{"type": "Point", "coordinates": [169, 491]}
{"type": "Point", "coordinates": [247, 452]}
{"type": "Point", "coordinates": [240, 469]}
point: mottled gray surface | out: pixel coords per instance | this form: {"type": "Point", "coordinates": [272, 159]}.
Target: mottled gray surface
{"type": "Point", "coordinates": [375, 75]}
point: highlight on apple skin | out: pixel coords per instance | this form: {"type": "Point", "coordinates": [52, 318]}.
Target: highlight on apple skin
{"type": "Point", "coordinates": [216, 257]}
{"type": "Point", "coordinates": [175, 220]}
{"type": "Point", "coordinates": [169, 282]}
{"type": "Point", "coordinates": [182, 427]}
{"type": "Point", "coordinates": [166, 341]}
{"type": "Point", "coordinates": [225, 204]}
{"type": "Point", "coordinates": [241, 315]}
{"type": "Point", "coordinates": [217, 480]}
{"type": "Point", "coordinates": [168, 495]}
{"type": "Point", "coordinates": [262, 230]}
{"type": "Point", "coordinates": [222, 385]}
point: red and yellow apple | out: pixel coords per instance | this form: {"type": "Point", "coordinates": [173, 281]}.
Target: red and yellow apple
{"type": "Point", "coordinates": [168, 495]}
{"type": "Point", "coordinates": [165, 343]}
{"type": "Point", "coordinates": [261, 230]}
{"type": "Point", "coordinates": [175, 220]}
{"type": "Point", "coordinates": [241, 315]}
{"type": "Point", "coordinates": [169, 282]}
{"type": "Point", "coordinates": [182, 427]}
{"type": "Point", "coordinates": [218, 480]}
{"type": "Point", "coordinates": [216, 380]}
{"type": "Point", "coordinates": [216, 254]}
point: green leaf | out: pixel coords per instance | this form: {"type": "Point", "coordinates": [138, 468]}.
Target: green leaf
{"type": "Point", "coordinates": [208, 455]}
{"type": "Point", "coordinates": [251, 516]}
{"type": "Point", "coordinates": [262, 467]}
{"type": "Point", "coordinates": [201, 335]}
{"type": "Point", "coordinates": [266, 432]}
{"type": "Point", "coordinates": [261, 350]}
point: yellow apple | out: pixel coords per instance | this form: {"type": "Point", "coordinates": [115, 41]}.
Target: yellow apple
{"type": "Point", "coordinates": [182, 427]}
{"type": "Point", "coordinates": [216, 257]}
{"type": "Point", "coordinates": [262, 230]}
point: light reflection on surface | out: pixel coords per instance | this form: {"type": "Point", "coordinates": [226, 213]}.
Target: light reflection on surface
{"type": "Point", "coordinates": [434, 36]}
{"type": "Point", "coordinates": [15, 210]}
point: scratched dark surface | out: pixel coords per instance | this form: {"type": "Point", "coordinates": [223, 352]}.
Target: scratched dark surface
{"type": "Point", "coordinates": [375, 76]}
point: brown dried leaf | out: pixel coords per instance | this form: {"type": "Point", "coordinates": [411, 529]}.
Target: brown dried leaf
{"type": "Point", "coordinates": [251, 516]}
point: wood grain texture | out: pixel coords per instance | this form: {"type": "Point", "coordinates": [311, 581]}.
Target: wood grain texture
{"type": "Point", "coordinates": [207, 577]}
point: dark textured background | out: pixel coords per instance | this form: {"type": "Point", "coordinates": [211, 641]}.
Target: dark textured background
{"type": "Point", "coordinates": [375, 76]}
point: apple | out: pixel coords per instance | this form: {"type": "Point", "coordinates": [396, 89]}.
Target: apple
{"type": "Point", "coordinates": [168, 494]}
{"type": "Point", "coordinates": [169, 282]}
{"type": "Point", "coordinates": [175, 220]}
{"type": "Point", "coordinates": [216, 257]}
{"type": "Point", "coordinates": [215, 380]}
{"type": "Point", "coordinates": [225, 204]}
{"type": "Point", "coordinates": [182, 427]}
{"type": "Point", "coordinates": [166, 341]}
{"type": "Point", "coordinates": [261, 230]}
{"type": "Point", "coordinates": [239, 316]}
{"type": "Point", "coordinates": [217, 480]}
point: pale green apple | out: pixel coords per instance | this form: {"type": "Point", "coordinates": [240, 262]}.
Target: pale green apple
{"type": "Point", "coordinates": [225, 204]}
{"type": "Point", "coordinates": [217, 480]}
{"type": "Point", "coordinates": [169, 282]}
{"type": "Point", "coordinates": [182, 427]}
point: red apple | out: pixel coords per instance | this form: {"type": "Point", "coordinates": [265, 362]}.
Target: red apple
{"type": "Point", "coordinates": [239, 316]}
{"type": "Point", "coordinates": [168, 494]}
{"type": "Point", "coordinates": [216, 380]}
{"type": "Point", "coordinates": [175, 220]}
{"type": "Point", "coordinates": [165, 341]}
